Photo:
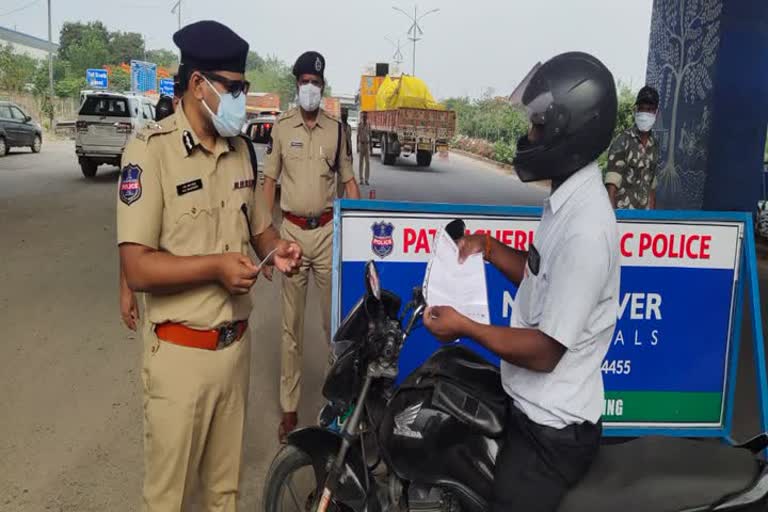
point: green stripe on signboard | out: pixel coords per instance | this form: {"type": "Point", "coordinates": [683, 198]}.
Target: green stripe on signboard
{"type": "Point", "coordinates": [661, 407]}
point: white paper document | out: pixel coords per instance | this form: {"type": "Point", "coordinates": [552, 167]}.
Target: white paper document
{"type": "Point", "coordinates": [460, 285]}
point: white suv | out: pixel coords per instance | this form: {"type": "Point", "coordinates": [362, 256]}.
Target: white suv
{"type": "Point", "coordinates": [105, 123]}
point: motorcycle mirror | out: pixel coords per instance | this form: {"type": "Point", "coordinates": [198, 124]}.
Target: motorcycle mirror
{"type": "Point", "coordinates": [456, 229]}
{"type": "Point", "coordinates": [372, 282]}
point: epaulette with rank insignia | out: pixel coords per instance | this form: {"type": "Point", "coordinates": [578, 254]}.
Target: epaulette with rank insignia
{"type": "Point", "coordinates": [154, 128]}
{"type": "Point", "coordinates": [287, 114]}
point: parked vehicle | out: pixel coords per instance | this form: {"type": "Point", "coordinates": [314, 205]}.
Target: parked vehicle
{"type": "Point", "coordinates": [259, 130]}
{"type": "Point", "coordinates": [258, 104]}
{"type": "Point", "coordinates": [17, 129]}
{"type": "Point", "coordinates": [430, 445]}
{"type": "Point", "coordinates": [105, 123]}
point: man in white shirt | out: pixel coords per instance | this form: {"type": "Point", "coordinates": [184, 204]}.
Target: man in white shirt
{"type": "Point", "coordinates": [566, 305]}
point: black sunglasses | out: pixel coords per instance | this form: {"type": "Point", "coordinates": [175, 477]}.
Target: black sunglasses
{"type": "Point", "coordinates": [234, 87]}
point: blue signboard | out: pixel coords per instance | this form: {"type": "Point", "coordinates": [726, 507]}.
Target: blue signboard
{"type": "Point", "coordinates": [143, 76]}
{"type": "Point", "coordinates": [671, 364]}
{"type": "Point", "coordinates": [97, 78]}
{"type": "Point", "coordinates": [166, 86]}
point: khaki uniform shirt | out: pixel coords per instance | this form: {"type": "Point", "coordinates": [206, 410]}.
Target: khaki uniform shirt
{"type": "Point", "coordinates": [363, 134]}
{"type": "Point", "coordinates": [177, 197]}
{"type": "Point", "coordinates": [632, 169]}
{"type": "Point", "coordinates": [303, 160]}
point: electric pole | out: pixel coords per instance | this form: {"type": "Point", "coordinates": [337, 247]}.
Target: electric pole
{"type": "Point", "coordinates": [177, 9]}
{"type": "Point", "coordinates": [50, 69]}
{"type": "Point", "coordinates": [415, 30]}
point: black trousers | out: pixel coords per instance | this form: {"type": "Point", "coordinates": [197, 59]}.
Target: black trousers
{"type": "Point", "coordinates": [537, 464]}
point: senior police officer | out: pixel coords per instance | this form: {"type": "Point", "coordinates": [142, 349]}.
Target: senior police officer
{"type": "Point", "coordinates": [565, 309]}
{"type": "Point", "coordinates": [187, 212]}
{"type": "Point", "coordinates": [309, 153]}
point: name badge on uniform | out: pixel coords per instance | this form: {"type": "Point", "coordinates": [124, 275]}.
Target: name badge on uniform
{"type": "Point", "coordinates": [534, 260]}
{"type": "Point", "coordinates": [297, 144]}
{"type": "Point", "coordinates": [190, 186]}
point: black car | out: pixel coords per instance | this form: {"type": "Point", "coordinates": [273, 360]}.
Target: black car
{"type": "Point", "coordinates": [17, 129]}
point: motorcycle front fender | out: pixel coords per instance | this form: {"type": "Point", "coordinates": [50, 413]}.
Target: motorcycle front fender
{"type": "Point", "coordinates": [322, 446]}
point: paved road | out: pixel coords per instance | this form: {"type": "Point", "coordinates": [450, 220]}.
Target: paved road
{"type": "Point", "coordinates": [70, 402]}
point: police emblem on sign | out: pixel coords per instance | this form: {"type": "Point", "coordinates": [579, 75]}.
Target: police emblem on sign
{"type": "Point", "coordinates": [130, 184]}
{"type": "Point", "coordinates": [382, 243]}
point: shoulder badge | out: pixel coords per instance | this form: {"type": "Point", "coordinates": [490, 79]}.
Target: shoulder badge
{"type": "Point", "coordinates": [130, 184]}
{"type": "Point", "coordinates": [287, 114]}
{"type": "Point", "coordinates": [269, 146]}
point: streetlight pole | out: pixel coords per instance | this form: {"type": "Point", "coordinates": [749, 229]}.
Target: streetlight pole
{"type": "Point", "coordinates": [50, 68]}
{"type": "Point", "coordinates": [415, 31]}
{"type": "Point", "coordinates": [177, 9]}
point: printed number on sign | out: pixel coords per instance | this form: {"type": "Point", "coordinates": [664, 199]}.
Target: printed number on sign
{"type": "Point", "coordinates": [617, 367]}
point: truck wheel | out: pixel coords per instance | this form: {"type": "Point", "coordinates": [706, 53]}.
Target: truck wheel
{"type": "Point", "coordinates": [88, 167]}
{"type": "Point", "coordinates": [423, 158]}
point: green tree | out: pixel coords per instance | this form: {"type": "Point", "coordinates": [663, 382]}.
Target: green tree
{"type": "Point", "coordinates": [125, 46]}
{"type": "Point", "coordinates": [274, 76]}
{"type": "Point", "coordinates": [73, 33]}
{"type": "Point", "coordinates": [254, 61]}
{"type": "Point", "coordinates": [16, 69]}
{"type": "Point", "coordinates": [120, 80]}
{"type": "Point", "coordinates": [163, 58]}
{"type": "Point", "coordinates": [90, 52]}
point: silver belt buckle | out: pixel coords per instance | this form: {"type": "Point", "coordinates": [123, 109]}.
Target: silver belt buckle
{"type": "Point", "coordinates": [227, 336]}
{"type": "Point", "coordinates": [313, 222]}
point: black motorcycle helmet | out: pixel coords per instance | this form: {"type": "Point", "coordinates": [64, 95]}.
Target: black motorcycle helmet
{"type": "Point", "coordinates": [164, 107]}
{"type": "Point", "coordinates": [571, 103]}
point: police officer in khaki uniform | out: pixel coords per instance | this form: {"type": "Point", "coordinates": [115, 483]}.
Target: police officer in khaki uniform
{"type": "Point", "coordinates": [187, 212]}
{"type": "Point", "coordinates": [310, 154]}
{"type": "Point", "coordinates": [364, 149]}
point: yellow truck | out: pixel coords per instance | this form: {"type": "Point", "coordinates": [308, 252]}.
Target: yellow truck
{"type": "Point", "coordinates": [404, 119]}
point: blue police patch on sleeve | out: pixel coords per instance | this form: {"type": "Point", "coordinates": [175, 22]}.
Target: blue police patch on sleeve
{"type": "Point", "coordinates": [269, 146]}
{"type": "Point", "coordinates": [130, 184]}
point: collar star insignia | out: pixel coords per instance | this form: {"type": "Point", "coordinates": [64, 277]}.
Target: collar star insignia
{"type": "Point", "coordinates": [189, 141]}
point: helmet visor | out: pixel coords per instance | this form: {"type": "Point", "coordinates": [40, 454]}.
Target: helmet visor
{"type": "Point", "coordinates": [534, 103]}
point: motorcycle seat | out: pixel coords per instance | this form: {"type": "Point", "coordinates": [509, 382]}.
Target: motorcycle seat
{"type": "Point", "coordinates": [662, 474]}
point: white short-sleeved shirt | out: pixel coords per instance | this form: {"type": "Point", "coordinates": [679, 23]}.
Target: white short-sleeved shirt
{"type": "Point", "coordinates": [573, 298]}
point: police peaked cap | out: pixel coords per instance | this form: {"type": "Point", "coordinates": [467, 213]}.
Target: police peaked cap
{"type": "Point", "coordinates": [210, 46]}
{"type": "Point", "coordinates": [309, 63]}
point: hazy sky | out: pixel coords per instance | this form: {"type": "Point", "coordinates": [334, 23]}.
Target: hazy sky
{"type": "Point", "coordinates": [468, 46]}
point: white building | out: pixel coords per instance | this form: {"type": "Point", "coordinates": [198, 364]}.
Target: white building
{"type": "Point", "coordinates": [24, 43]}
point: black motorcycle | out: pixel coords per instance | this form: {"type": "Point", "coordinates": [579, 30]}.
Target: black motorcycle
{"type": "Point", "coordinates": [430, 444]}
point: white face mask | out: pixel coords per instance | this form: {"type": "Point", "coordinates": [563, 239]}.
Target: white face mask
{"type": "Point", "coordinates": [309, 97]}
{"type": "Point", "coordinates": [644, 121]}
{"type": "Point", "coordinates": [230, 116]}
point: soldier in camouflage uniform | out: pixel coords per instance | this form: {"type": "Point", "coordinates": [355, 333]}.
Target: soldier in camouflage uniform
{"type": "Point", "coordinates": [633, 158]}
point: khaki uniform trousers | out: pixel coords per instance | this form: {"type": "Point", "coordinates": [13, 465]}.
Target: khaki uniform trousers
{"type": "Point", "coordinates": [364, 157]}
{"type": "Point", "coordinates": [317, 245]}
{"type": "Point", "coordinates": [194, 420]}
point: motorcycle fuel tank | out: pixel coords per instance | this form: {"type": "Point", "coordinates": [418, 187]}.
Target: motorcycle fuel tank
{"type": "Point", "coordinates": [443, 424]}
